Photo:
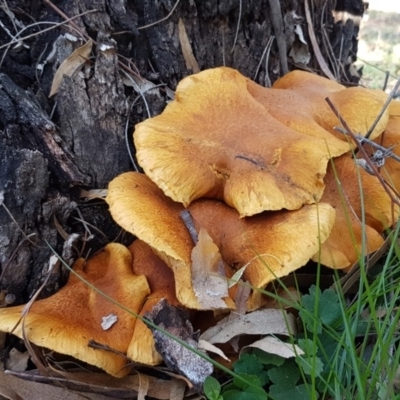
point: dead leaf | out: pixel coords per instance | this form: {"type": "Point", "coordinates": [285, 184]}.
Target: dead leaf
{"type": "Point", "coordinates": [14, 388]}
{"type": "Point", "coordinates": [299, 51]}
{"type": "Point", "coordinates": [208, 275]}
{"type": "Point", "coordinates": [91, 385]}
{"type": "Point", "coordinates": [190, 60]}
{"type": "Point", "coordinates": [206, 346]}
{"type": "Point", "coordinates": [17, 361]}
{"type": "Point", "coordinates": [272, 345]}
{"type": "Point", "coordinates": [317, 51]}
{"type": "Point", "coordinates": [144, 384]}
{"type": "Point", "coordinates": [93, 194]}
{"type": "Point", "coordinates": [70, 65]}
{"type": "Point", "coordinates": [242, 295]}
{"type": "Point", "coordinates": [260, 322]}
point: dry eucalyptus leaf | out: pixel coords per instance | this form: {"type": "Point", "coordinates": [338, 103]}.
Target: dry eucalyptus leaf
{"type": "Point", "coordinates": [70, 65]}
{"type": "Point", "coordinates": [94, 385]}
{"type": "Point", "coordinates": [261, 322]}
{"type": "Point", "coordinates": [208, 276]}
{"type": "Point", "coordinates": [272, 345]}
{"type": "Point", "coordinates": [190, 60]}
{"type": "Point", "coordinates": [204, 345]}
{"type": "Point", "coordinates": [14, 388]}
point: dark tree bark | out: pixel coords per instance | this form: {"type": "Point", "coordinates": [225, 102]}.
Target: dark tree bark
{"type": "Point", "coordinates": [52, 148]}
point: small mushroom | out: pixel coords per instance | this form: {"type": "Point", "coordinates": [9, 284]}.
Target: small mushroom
{"type": "Point", "coordinates": [215, 140]}
{"type": "Point", "coordinates": [162, 285]}
{"type": "Point", "coordinates": [271, 244]}
{"type": "Point", "coordinates": [68, 320]}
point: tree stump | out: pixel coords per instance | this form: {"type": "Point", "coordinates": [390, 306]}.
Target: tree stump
{"type": "Point", "coordinates": [51, 148]}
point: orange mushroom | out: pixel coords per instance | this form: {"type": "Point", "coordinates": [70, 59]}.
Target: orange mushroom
{"type": "Point", "coordinates": [297, 100]}
{"type": "Point", "coordinates": [215, 140]}
{"type": "Point", "coordinates": [353, 193]}
{"type": "Point", "coordinates": [68, 320]}
{"type": "Point", "coordinates": [269, 244]}
{"type": "Point", "coordinates": [162, 285]}
{"type": "Point", "coordinates": [391, 138]}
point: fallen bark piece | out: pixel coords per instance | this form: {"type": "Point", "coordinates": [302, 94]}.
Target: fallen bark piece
{"type": "Point", "coordinates": [177, 357]}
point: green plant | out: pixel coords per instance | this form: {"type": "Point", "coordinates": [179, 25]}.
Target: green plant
{"type": "Point", "coordinates": [349, 343]}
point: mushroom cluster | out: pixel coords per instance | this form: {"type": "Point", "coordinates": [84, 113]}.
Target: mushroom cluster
{"type": "Point", "coordinates": [264, 171]}
{"type": "Point", "coordinates": [269, 184]}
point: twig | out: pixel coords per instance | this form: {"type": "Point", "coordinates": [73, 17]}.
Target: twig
{"type": "Point", "coordinates": [277, 23]}
{"type": "Point", "coordinates": [162, 19]}
{"type": "Point", "coordinates": [61, 13]}
{"type": "Point", "coordinates": [317, 51]}
{"type": "Point", "coordinates": [14, 220]}
{"type": "Point", "coordinates": [385, 82]}
{"type": "Point", "coordinates": [392, 94]}
{"type": "Point", "coordinates": [55, 25]}
{"type": "Point", "coordinates": [267, 48]}
{"type": "Point", "coordinates": [386, 151]}
{"type": "Point", "coordinates": [238, 25]}
{"type": "Point", "coordinates": [188, 221]}
{"type": "Point", "coordinates": [364, 154]}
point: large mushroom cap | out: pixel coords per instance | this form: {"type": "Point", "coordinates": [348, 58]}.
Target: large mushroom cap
{"type": "Point", "coordinates": [355, 195]}
{"type": "Point", "coordinates": [68, 320]}
{"type": "Point", "coordinates": [273, 244]}
{"type": "Point", "coordinates": [215, 140]}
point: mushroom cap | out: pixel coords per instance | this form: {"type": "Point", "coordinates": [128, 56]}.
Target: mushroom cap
{"type": "Point", "coordinates": [273, 244]}
{"type": "Point", "coordinates": [359, 107]}
{"type": "Point", "coordinates": [141, 208]}
{"type": "Point", "coordinates": [306, 93]}
{"type": "Point", "coordinates": [344, 245]}
{"type": "Point", "coordinates": [309, 83]}
{"type": "Point", "coordinates": [215, 140]}
{"type": "Point", "coordinates": [68, 320]}
{"type": "Point", "coordinates": [162, 285]}
{"type": "Point", "coordinates": [391, 137]}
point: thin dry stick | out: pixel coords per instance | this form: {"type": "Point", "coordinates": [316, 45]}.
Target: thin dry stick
{"type": "Point", "coordinates": [238, 25]}
{"type": "Point", "coordinates": [61, 13]}
{"type": "Point", "coordinates": [277, 23]}
{"type": "Point", "coordinates": [363, 153]}
{"type": "Point", "coordinates": [188, 221]}
{"type": "Point", "coordinates": [267, 48]}
{"type": "Point", "coordinates": [162, 19]}
{"type": "Point", "coordinates": [55, 25]}
{"type": "Point", "coordinates": [386, 151]}
{"type": "Point", "coordinates": [14, 220]}
{"type": "Point", "coordinates": [385, 106]}
{"type": "Point", "coordinates": [317, 51]}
